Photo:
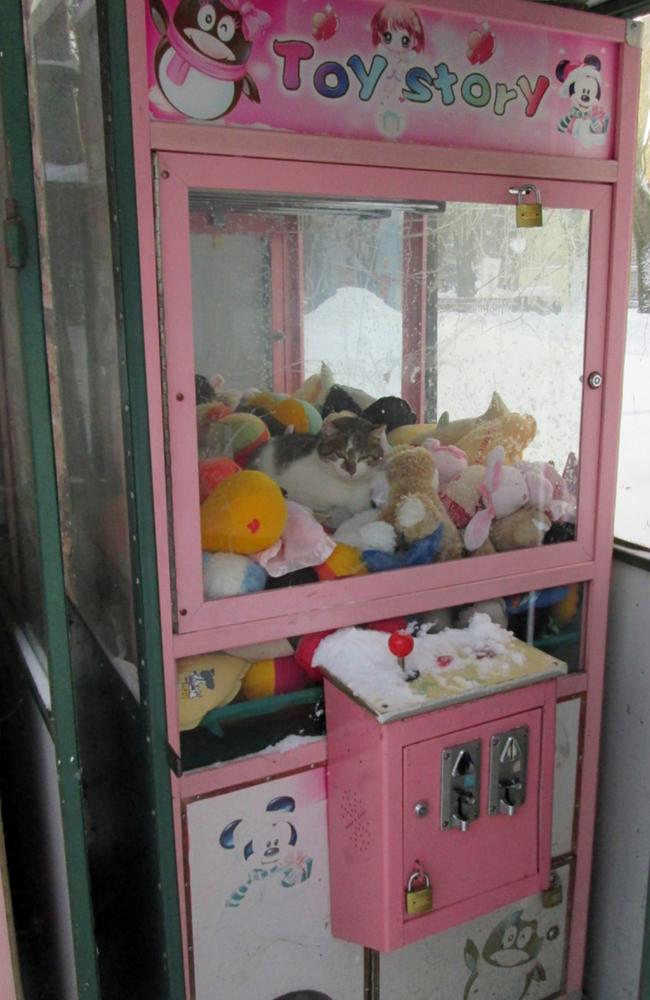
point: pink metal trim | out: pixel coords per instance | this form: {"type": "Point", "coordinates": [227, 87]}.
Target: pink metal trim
{"type": "Point", "coordinates": [425, 598]}
{"type": "Point", "coordinates": [414, 313]}
{"type": "Point", "coordinates": [522, 12]}
{"type": "Point", "coordinates": [287, 295]}
{"type": "Point", "coordinates": [571, 685]}
{"type": "Point", "coordinates": [598, 592]}
{"type": "Point", "coordinates": [265, 144]}
{"type": "Point", "coordinates": [180, 174]}
{"type": "Point", "coordinates": [247, 771]}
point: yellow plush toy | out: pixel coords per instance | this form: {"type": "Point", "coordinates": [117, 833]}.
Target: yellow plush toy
{"type": "Point", "coordinates": [205, 682]}
{"type": "Point", "coordinates": [246, 513]}
{"type": "Point", "coordinates": [513, 431]}
{"type": "Point", "coordinates": [476, 436]}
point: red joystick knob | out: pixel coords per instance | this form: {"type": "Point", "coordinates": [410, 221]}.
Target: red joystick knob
{"type": "Point", "coordinates": [401, 643]}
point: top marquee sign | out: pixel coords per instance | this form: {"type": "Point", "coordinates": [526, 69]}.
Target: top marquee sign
{"type": "Point", "coordinates": [398, 72]}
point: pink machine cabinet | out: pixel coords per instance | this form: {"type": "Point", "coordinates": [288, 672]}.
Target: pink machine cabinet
{"type": "Point", "coordinates": [439, 812]}
{"type": "Point", "coordinates": [329, 198]}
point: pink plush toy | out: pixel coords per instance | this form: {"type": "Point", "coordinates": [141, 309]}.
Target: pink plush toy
{"type": "Point", "coordinates": [549, 490]}
{"type": "Point", "coordinates": [303, 543]}
{"type": "Point", "coordinates": [504, 491]}
{"type": "Point", "coordinates": [450, 460]}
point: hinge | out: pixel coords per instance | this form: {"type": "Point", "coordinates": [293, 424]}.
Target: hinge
{"type": "Point", "coordinates": [634, 32]}
{"type": "Point", "coordinates": [174, 761]}
{"type": "Point", "coordinates": [14, 236]}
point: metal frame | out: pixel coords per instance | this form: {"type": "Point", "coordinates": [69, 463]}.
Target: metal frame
{"type": "Point", "coordinates": [13, 76]}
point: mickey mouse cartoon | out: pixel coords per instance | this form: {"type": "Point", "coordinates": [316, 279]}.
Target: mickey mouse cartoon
{"type": "Point", "coordinates": [201, 58]}
{"type": "Point", "coordinates": [582, 82]}
{"type": "Point", "coordinates": [266, 848]}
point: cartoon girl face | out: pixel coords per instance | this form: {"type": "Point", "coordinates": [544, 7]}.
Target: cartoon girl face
{"type": "Point", "coordinates": [397, 30]}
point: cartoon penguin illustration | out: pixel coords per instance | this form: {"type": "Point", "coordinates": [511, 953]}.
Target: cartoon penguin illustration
{"type": "Point", "coordinates": [200, 61]}
{"type": "Point", "coordinates": [508, 964]}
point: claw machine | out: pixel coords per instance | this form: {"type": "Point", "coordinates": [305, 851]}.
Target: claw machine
{"type": "Point", "coordinates": [382, 256]}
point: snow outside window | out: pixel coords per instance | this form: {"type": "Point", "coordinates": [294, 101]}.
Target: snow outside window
{"type": "Point", "coordinates": [633, 490]}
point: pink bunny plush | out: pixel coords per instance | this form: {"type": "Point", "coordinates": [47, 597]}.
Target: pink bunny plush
{"type": "Point", "coordinates": [504, 491]}
{"type": "Point", "coordinates": [548, 490]}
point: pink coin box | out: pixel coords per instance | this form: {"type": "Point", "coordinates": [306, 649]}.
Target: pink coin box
{"type": "Point", "coordinates": [440, 779]}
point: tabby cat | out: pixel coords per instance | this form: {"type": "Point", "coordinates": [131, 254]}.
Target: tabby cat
{"type": "Point", "coordinates": [329, 470]}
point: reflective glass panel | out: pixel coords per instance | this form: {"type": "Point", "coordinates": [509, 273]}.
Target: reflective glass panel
{"type": "Point", "coordinates": [82, 332]}
{"type": "Point", "coordinates": [329, 332]}
{"type": "Point", "coordinates": [20, 564]}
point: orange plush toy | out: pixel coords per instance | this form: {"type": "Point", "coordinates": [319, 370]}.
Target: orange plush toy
{"type": "Point", "coordinates": [246, 513]}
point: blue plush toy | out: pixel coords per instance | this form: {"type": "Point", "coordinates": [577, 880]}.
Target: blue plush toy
{"type": "Point", "coordinates": [420, 553]}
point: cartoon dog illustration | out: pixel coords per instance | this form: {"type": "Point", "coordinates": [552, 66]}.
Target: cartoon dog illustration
{"type": "Point", "coordinates": [268, 850]}
{"type": "Point", "coordinates": [201, 58]}
{"type": "Point", "coordinates": [582, 82]}
{"type": "Point", "coordinates": [508, 964]}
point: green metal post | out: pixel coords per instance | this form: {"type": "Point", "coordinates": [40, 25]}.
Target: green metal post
{"type": "Point", "coordinates": [115, 72]}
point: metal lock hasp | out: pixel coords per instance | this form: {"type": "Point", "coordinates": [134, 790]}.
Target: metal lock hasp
{"type": "Point", "coordinates": [528, 214]}
{"type": "Point", "coordinates": [419, 900]}
{"type": "Point", "coordinates": [553, 896]}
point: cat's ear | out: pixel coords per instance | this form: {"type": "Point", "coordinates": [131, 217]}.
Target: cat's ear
{"type": "Point", "coordinates": [379, 433]}
{"type": "Point", "coordinates": [329, 428]}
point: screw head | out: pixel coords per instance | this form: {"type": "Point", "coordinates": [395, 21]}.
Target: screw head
{"type": "Point", "coordinates": [594, 380]}
{"type": "Point", "coordinates": [446, 755]}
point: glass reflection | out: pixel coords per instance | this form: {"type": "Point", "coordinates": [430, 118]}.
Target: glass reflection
{"type": "Point", "coordinates": [400, 383]}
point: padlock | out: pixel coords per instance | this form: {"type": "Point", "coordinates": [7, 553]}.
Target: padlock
{"type": "Point", "coordinates": [552, 896]}
{"type": "Point", "coordinates": [529, 214]}
{"type": "Point", "coordinates": [419, 900]}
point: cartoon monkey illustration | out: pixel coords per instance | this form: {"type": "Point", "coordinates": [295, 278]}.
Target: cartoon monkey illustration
{"type": "Point", "coordinates": [201, 58]}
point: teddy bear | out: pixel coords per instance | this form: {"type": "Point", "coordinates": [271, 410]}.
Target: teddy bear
{"type": "Point", "coordinates": [523, 529]}
{"type": "Point", "coordinates": [414, 507]}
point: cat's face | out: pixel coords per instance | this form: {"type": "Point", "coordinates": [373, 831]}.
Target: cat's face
{"type": "Point", "coordinates": [351, 448]}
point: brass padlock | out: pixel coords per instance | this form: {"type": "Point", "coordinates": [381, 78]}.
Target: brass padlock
{"type": "Point", "coordinates": [552, 896]}
{"type": "Point", "coordinates": [419, 900]}
{"type": "Point", "coordinates": [529, 214]}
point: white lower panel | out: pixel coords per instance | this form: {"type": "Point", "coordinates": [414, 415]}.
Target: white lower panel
{"type": "Point", "coordinates": [259, 896]}
{"type": "Point", "coordinates": [567, 729]}
{"type": "Point", "coordinates": [515, 953]}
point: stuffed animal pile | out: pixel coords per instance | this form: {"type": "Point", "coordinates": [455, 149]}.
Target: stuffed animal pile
{"type": "Point", "coordinates": [445, 490]}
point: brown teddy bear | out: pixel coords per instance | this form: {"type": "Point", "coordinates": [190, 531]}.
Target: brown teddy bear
{"type": "Point", "coordinates": [414, 507]}
{"type": "Point", "coordinates": [524, 529]}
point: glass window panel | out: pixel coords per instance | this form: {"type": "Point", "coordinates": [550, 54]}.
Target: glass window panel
{"type": "Point", "coordinates": [79, 305]}
{"type": "Point", "coordinates": [632, 522]}
{"type": "Point", "coordinates": [429, 308]}
{"type": "Point", "coordinates": [19, 554]}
